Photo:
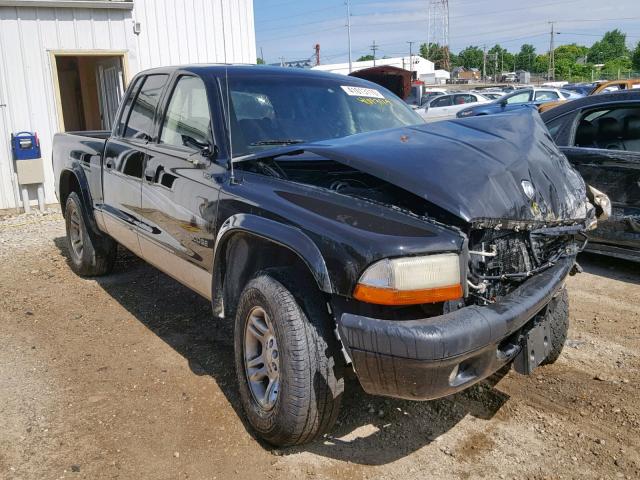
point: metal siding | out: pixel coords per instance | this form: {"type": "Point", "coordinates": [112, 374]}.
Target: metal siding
{"type": "Point", "coordinates": [202, 31]}
{"type": "Point", "coordinates": [196, 33]}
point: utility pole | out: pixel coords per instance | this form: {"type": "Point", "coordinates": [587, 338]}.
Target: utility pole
{"type": "Point", "coordinates": [281, 61]}
{"type": "Point", "coordinates": [551, 74]}
{"type": "Point", "coordinates": [429, 32]}
{"type": "Point", "coordinates": [348, 4]}
{"type": "Point", "coordinates": [373, 48]}
{"type": "Point", "coordinates": [262, 55]}
{"type": "Point", "coordinates": [411, 58]}
{"type": "Point", "coordinates": [317, 49]}
{"type": "Point", "coordinates": [484, 64]}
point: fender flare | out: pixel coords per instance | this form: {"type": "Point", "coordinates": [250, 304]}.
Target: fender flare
{"type": "Point", "coordinates": [85, 195]}
{"type": "Point", "coordinates": [281, 234]}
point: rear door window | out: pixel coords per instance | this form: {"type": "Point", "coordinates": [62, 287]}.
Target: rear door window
{"type": "Point", "coordinates": [615, 128]}
{"type": "Point", "coordinates": [464, 98]}
{"type": "Point", "coordinates": [547, 95]}
{"type": "Point", "coordinates": [444, 101]}
{"type": "Point", "coordinates": [521, 97]}
{"type": "Point", "coordinates": [139, 124]}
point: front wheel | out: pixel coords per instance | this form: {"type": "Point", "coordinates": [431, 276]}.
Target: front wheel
{"type": "Point", "coordinates": [287, 363]}
{"type": "Point", "coordinates": [89, 255]}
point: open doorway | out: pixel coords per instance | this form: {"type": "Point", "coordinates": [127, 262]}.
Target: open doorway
{"type": "Point", "coordinates": [89, 89]}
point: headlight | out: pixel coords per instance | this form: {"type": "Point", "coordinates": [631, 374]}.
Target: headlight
{"type": "Point", "coordinates": [411, 280]}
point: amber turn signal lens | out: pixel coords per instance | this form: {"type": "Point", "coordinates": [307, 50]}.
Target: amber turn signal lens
{"type": "Point", "coordinates": [389, 296]}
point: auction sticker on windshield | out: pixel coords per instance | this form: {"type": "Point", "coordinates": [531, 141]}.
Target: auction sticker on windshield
{"type": "Point", "coordinates": [361, 92]}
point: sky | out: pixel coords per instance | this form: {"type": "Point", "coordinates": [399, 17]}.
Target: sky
{"type": "Point", "coordinates": [290, 28]}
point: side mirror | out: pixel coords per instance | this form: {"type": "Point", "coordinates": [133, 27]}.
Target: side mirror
{"type": "Point", "coordinates": [503, 103]}
{"type": "Point", "coordinates": [206, 149]}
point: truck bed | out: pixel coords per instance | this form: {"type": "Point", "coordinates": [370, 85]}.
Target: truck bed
{"type": "Point", "coordinates": [80, 150]}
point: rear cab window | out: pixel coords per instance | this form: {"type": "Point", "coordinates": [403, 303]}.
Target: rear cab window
{"type": "Point", "coordinates": [137, 118]}
{"type": "Point", "coordinates": [187, 121]}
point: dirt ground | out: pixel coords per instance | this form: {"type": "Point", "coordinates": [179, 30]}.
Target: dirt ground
{"type": "Point", "coordinates": [128, 376]}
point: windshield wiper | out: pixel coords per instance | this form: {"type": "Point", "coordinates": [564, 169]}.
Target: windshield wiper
{"type": "Point", "coordinates": [276, 142]}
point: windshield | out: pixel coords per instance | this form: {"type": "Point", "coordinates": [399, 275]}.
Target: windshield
{"type": "Point", "coordinates": [277, 110]}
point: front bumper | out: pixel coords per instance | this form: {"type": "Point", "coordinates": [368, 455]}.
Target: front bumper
{"type": "Point", "coordinates": [434, 357]}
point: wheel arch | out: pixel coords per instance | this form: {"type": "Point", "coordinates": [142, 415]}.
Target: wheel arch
{"type": "Point", "coordinates": [257, 243]}
{"type": "Point", "coordinates": [75, 180]}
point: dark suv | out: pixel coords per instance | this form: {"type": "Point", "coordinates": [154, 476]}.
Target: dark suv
{"type": "Point", "coordinates": [338, 230]}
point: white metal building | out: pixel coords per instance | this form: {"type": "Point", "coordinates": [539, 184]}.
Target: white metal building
{"type": "Point", "coordinates": [65, 63]}
{"type": "Point", "coordinates": [420, 65]}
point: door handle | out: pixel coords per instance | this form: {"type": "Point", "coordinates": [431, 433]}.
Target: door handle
{"type": "Point", "coordinates": [109, 163]}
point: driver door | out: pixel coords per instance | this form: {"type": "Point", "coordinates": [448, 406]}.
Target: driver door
{"type": "Point", "coordinates": [179, 189]}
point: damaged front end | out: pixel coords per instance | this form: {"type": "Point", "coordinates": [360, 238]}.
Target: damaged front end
{"type": "Point", "coordinates": [497, 216]}
{"type": "Point", "coordinates": [513, 197]}
{"type": "Point", "coordinates": [500, 260]}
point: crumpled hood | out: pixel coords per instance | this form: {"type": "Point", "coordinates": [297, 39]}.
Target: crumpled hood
{"type": "Point", "coordinates": [474, 168]}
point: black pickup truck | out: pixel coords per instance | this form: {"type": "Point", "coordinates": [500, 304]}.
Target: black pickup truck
{"type": "Point", "coordinates": [336, 228]}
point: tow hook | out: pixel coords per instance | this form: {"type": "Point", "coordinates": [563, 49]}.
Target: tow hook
{"type": "Point", "coordinates": [576, 269]}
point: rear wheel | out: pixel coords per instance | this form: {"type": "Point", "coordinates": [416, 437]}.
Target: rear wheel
{"type": "Point", "coordinates": [289, 372]}
{"type": "Point", "coordinates": [90, 255]}
{"type": "Point", "coordinates": [558, 316]}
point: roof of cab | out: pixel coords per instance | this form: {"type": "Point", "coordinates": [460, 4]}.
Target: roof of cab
{"type": "Point", "coordinates": [221, 69]}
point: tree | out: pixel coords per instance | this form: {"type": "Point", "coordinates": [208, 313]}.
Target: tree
{"type": "Point", "coordinates": [635, 57]}
{"type": "Point", "coordinates": [541, 64]}
{"type": "Point", "coordinates": [566, 61]}
{"type": "Point", "coordinates": [525, 58]}
{"type": "Point", "coordinates": [437, 54]}
{"type": "Point", "coordinates": [365, 58]}
{"type": "Point", "coordinates": [499, 59]}
{"type": "Point", "coordinates": [617, 66]}
{"type": "Point", "coordinates": [612, 46]}
{"type": "Point", "coordinates": [470, 57]}
{"type": "Point", "coordinates": [260, 61]}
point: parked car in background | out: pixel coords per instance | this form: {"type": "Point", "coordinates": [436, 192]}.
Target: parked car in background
{"type": "Point", "coordinates": [430, 93]}
{"type": "Point", "coordinates": [523, 98]}
{"type": "Point", "coordinates": [600, 135]}
{"type": "Point", "coordinates": [491, 95]}
{"type": "Point", "coordinates": [600, 87]}
{"type": "Point", "coordinates": [582, 88]}
{"type": "Point", "coordinates": [617, 85]}
{"type": "Point", "coordinates": [571, 94]}
{"type": "Point", "coordinates": [446, 106]}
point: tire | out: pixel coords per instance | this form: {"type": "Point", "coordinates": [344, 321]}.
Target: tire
{"type": "Point", "coordinates": [90, 255]}
{"type": "Point", "coordinates": [310, 372]}
{"type": "Point", "coordinates": [558, 316]}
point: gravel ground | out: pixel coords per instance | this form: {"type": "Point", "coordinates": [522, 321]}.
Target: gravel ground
{"type": "Point", "coordinates": [128, 376]}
